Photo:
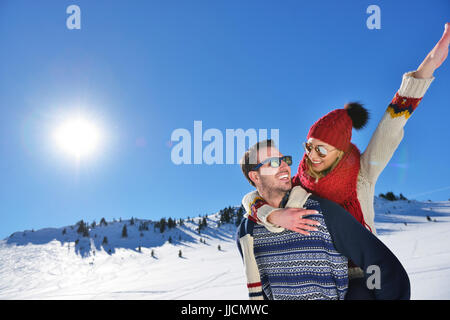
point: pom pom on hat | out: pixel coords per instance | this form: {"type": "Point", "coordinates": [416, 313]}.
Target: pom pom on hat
{"type": "Point", "coordinates": [335, 128]}
{"type": "Point", "coordinates": [358, 114]}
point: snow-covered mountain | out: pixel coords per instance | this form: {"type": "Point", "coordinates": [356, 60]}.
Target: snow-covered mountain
{"type": "Point", "coordinates": [183, 263]}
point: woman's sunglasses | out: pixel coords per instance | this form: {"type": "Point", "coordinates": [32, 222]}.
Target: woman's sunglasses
{"type": "Point", "coordinates": [321, 150]}
{"type": "Point", "coordinates": [274, 162]}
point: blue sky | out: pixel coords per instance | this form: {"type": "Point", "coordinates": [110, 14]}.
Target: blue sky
{"type": "Point", "coordinates": [142, 69]}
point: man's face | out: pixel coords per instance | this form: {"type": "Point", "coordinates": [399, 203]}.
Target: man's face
{"type": "Point", "coordinates": [273, 179]}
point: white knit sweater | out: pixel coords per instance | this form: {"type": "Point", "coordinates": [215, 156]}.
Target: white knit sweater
{"type": "Point", "coordinates": [374, 159]}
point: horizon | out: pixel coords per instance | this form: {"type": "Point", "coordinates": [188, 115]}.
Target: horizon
{"type": "Point", "coordinates": [184, 219]}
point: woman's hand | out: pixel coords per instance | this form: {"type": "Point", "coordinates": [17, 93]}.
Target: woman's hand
{"type": "Point", "coordinates": [436, 56]}
{"type": "Point", "coordinates": [292, 219]}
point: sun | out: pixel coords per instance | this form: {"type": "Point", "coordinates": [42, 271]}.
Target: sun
{"type": "Point", "coordinates": [78, 137]}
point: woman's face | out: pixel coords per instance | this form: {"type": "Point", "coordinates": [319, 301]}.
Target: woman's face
{"type": "Point", "coordinates": [318, 163]}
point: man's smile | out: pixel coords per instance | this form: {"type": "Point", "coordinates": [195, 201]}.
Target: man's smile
{"type": "Point", "coordinates": [284, 176]}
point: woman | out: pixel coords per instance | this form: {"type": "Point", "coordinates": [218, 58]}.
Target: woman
{"type": "Point", "coordinates": [333, 168]}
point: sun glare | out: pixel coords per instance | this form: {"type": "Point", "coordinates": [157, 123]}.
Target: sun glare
{"type": "Point", "coordinates": [78, 137]}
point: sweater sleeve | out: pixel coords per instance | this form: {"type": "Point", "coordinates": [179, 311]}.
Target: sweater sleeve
{"type": "Point", "coordinates": [389, 132]}
{"type": "Point", "coordinates": [362, 247]}
{"type": "Point", "coordinates": [244, 240]}
{"type": "Point", "coordinates": [258, 210]}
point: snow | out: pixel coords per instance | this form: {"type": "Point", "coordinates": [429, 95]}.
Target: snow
{"type": "Point", "coordinates": [47, 264]}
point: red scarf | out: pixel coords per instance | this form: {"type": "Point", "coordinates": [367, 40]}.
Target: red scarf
{"type": "Point", "coordinates": [339, 185]}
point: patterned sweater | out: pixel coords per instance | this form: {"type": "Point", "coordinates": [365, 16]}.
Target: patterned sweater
{"type": "Point", "coordinates": [293, 266]}
{"type": "Point", "coordinates": [289, 265]}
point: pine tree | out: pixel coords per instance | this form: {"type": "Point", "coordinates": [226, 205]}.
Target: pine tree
{"type": "Point", "coordinates": [83, 228]}
{"type": "Point", "coordinates": [171, 223]}
{"type": "Point", "coordinates": [388, 196]}
{"type": "Point", "coordinates": [103, 222]}
{"type": "Point", "coordinates": [204, 222]}
{"type": "Point", "coordinates": [239, 215]}
{"type": "Point", "coordinates": [162, 224]}
{"type": "Point", "coordinates": [225, 215]}
{"type": "Point", "coordinates": [124, 231]}
{"type": "Point", "coordinates": [143, 226]}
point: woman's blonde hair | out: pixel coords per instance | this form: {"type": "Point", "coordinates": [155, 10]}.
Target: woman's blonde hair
{"type": "Point", "coordinates": [321, 174]}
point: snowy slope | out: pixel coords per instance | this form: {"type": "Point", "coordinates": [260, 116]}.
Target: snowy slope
{"type": "Point", "coordinates": [47, 264]}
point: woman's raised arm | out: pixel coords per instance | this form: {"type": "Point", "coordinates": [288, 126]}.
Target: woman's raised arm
{"type": "Point", "coordinates": [389, 132]}
{"type": "Point", "coordinates": [436, 56]}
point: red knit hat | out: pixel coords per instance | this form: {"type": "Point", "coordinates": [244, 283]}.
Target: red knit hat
{"type": "Point", "coordinates": [335, 128]}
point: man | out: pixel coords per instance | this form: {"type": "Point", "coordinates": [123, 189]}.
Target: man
{"type": "Point", "coordinates": [290, 265]}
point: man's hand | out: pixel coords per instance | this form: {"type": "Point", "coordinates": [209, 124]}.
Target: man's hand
{"type": "Point", "coordinates": [292, 219]}
{"type": "Point", "coordinates": [436, 56]}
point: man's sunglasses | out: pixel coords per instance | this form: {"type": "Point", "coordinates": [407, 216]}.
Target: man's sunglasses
{"type": "Point", "coordinates": [321, 150]}
{"type": "Point", "coordinates": [275, 162]}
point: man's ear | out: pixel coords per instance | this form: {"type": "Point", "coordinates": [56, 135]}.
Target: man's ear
{"type": "Point", "coordinates": [254, 176]}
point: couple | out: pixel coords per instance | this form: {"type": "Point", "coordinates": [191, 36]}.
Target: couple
{"type": "Point", "coordinates": [334, 252]}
